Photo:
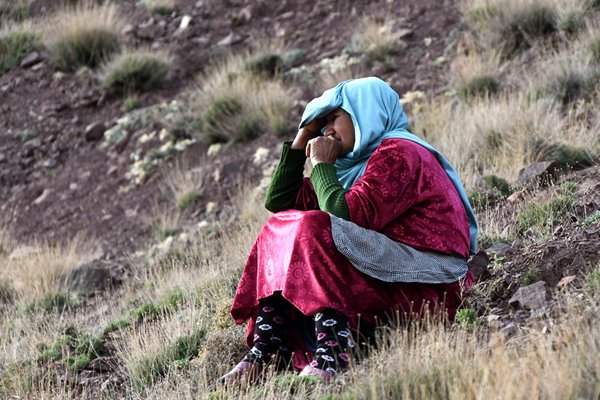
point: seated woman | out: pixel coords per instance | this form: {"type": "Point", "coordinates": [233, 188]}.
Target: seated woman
{"type": "Point", "coordinates": [383, 226]}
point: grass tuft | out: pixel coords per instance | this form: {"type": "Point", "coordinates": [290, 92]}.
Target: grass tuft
{"type": "Point", "coordinates": [160, 7]}
{"type": "Point", "coordinates": [136, 71]}
{"type": "Point", "coordinates": [545, 216]}
{"type": "Point", "coordinates": [572, 24]}
{"type": "Point", "coordinates": [466, 318]}
{"type": "Point", "coordinates": [86, 35]}
{"type": "Point", "coordinates": [480, 86]}
{"type": "Point", "coordinates": [15, 45]}
{"type": "Point", "coordinates": [267, 65]}
{"type": "Point", "coordinates": [375, 38]}
{"type": "Point", "coordinates": [594, 50]}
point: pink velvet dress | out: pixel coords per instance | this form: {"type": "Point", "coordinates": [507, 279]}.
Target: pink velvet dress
{"type": "Point", "coordinates": [406, 195]}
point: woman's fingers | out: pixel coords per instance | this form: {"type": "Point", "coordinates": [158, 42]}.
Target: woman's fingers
{"type": "Point", "coordinates": [323, 149]}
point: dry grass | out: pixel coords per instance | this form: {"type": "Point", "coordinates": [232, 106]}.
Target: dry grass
{"type": "Point", "coordinates": [184, 185]}
{"type": "Point", "coordinates": [138, 70]}
{"type": "Point", "coordinates": [476, 74]}
{"type": "Point", "coordinates": [498, 136]}
{"type": "Point", "coordinates": [84, 35]}
{"type": "Point", "coordinates": [41, 268]}
{"type": "Point", "coordinates": [163, 7]}
{"type": "Point", "coordinates": [237, 105]}
{"type": "Point", "coordinates": [17, 40]}
{"type": "Point", "coordinates": [376, 38]}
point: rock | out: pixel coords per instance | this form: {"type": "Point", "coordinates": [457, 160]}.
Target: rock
{"type": "Point", "coordinates": [499, 249]}
{"type": "Point", "coordinates": [529, 297]}
{"type": "Point", "coordinates": [185, 22]}
{"type": "Point", "coordinates": [103, 364]}
{"type": "Point", "coordinates": [538, 173]}
{"type": "Point", "coordinates": [260, 156]}
{"type": "Point", "coordinates": [508, 331]}
{"type": "Point", "coordinates": [211, 207]}
{"type": "Point", "coordinates": [92, 277]}
{"type": "Point", "coordinates": [478, 264]}
{"type": "Point", "coordinates": [149, 30]}
{"type": "Point", "coordinates": [165, 246]}
{"type": "Point", "coordinates": [230, 40]}
{"type": "Point", "coordinates": [2, 157]}
{"type": "Point", "coordinates": [32, 59]}
{"type": "Point", "coordinates": [214, 149]}
{"type": "Point", "coordinates": [94, 131]}
{"type": "Point", "coordinates": [518, 195]}
{"type": "Point", "coordinates": [40, 199]}
{"type": "Point", "coordinates": [566, 280]}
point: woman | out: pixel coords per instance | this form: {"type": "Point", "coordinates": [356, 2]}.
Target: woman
{"type": "Point", "coordinates": [382, 226]}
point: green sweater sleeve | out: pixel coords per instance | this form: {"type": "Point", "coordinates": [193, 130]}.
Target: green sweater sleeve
{"type": "Point", "coordinates": [330, 193]}
{"type": "Point", "coordinates": [287, 179]}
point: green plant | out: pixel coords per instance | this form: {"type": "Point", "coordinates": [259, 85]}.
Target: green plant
{"type": "Point", "coordinates": [479, 87]}
{"type": "Point", "coordinates": [569, 156]}
{"type": "Point", "coordinates": [54, 302]}
{"type": "Point", "coordinates": [188, 199]}
{"type": "Point", "coordinates": [160, 7]}
{"type": "Point", "coordinates": [571, 24]}
{"type": "Point", "coordinates": [593, 279]}
{"type": "Point", "coordinates": [152, 368]}
{"type": "Point", "coordinates": [226, 119]}
{"type": "Point", "coordinates": [166, 232]}
{"type": "Point", "coordinates": [529, 23]}
{"type": "Point", "coordinates": [89, 344]}
{"type": "Point", "coordinates": [88, 48]}
{"type": "Point", "coordinates": [136, 71]}
{"type": "Point", "coordinates": [568, 86]}
{"type": "Point", "coordinates": [85, 35]}
{"type": "Point", "coordinates": [546, 215]}
{"type": "Point", "coordinates": [467, 318]}
{"type": "Point", "coordinates": [145, 312]}
{"type": "Point", "coordinates": [116, 325]}
{"type": "Point", "coordinates": [591, 219]}
{"type": "Point", "coordinates": [19, 12]}
{"type": "Point", "coordinates": [76, 363]}
{"type": "Point", "coordinates": [498, 183]}
{"type": "Point", "coordinates": [594, 50]}
{"type": "Point", "coordinates": [531, 276]}
{"type": "Point", "coordinates": [15, 46]}
{"type": "Point", "coordinates": [7, 293]}
{"type": "Point", "coordinates": [267, 65]}
{"type": "Point", "coordinates": [131, 103]}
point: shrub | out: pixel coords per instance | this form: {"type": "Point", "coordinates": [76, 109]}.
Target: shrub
{"type": "Point", "coordinates": [77, 362]}
{"type": "Point", "coordinates": [526, 25]}
{"type": "Point", "coordinates": [267, 65]}
{"type": "Point", "coordinates": [571, 24]}
{"type": "Point", "coordinates": [467, 318]}
{"type": "Point", "coordinates": [161, 7]}
{"type": "Point", "coordinates": [498, 183]}
{"type": "Point", "coordinates": [86, 35]}
{"type": "Point", "coordinates": [375, 38]}
{"type": "Point", "coordinates": [54, 302]}
{"type": "Point", "coordinates": [532, 276]}
{"type": "Point", "coordinates": [136, 71]}
{"type": "Point", "coordinates": [19, 12]}
{"type": "Point", "coordinates": [116, 325]}
{"type": "Point", "coordinates": [549, 214]}
{"type": "Point", "coordinates": [150, 369]}
{"type": "Point", "coordinates": [15, 46]}
{"type": "Point", "coordinates": [188, 199]}
{"type": "Point", "coordinates": [592, 219]}
{"type": "Point", "coordinates": [570, 156]}
{"type": "Point", "coordinates": [480, 86]}
{"type": "Point", "coordinates": [145, 312]}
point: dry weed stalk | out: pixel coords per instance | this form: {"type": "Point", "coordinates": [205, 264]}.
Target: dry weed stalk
{"type": "Point", "coordinates": [183, 184]}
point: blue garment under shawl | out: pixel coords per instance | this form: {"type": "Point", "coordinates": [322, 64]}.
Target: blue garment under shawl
{"type": "Point", "coordinates": [377, 115]}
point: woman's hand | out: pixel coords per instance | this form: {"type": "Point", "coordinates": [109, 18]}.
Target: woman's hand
{"type": "Point", "coordinates": [323, 150]}
{"type": "Point", "coordinates": [308, 132]}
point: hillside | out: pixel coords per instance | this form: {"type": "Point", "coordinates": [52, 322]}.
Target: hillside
{"type": "Point", "coordinates": [132, 179]}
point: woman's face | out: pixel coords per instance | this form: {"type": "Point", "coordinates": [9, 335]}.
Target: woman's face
{"type": "Point", "coordinates": [340, 127]}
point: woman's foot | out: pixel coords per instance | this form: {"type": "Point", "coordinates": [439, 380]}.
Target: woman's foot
{"type": "Point", "coordinates": [243, 371]}
{"type": "Point", "coordinates": [309, 370]}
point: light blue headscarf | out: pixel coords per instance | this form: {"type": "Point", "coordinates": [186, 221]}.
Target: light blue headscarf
{"type": "Point", "coordinates": [377, 115]}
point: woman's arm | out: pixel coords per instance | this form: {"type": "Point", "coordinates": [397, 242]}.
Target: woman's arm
{"type": "Point", "coordinates": [287, 179]}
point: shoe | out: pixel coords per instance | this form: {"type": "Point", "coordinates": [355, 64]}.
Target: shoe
{"type": "Point", "coordinates": [309, 370]}
{"type": "Point", "coordinates": [243, 371]}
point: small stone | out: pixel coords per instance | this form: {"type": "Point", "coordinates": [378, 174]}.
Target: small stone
{"type": "Point", "coordinates": [260, 156]}
{"type": "Point", "coordinates": [566, 280]}
{"type": "Point", "coordinates": [94, 131]}
{"type": "Point", "coordinates": [230, 40]}
{"type": "Point", "coordinates": [529, 297]}
{"type": "Point", "coordinates": [92, 277]}
{"type": "Point", "coordinates": [499, 249]}
{"type": "Point", "coordinates": [478, 264]}
{"type": "Point", "coordinates": [185, 22]}
{"type": "Point", "coordinates": [537, 173]}
{"type": "Point", "coordinates": [214, 149]}
{"type": "Point", "coordinates": [40, 199]}
{"type": "Point", "coordinates": [211, 207]}
{"type": "Point", "coordinates": [508, 331]}
{"type": "Point", "coordinates": [2, 157]}
{"type": "Point", "coordinates": [32, 59]}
